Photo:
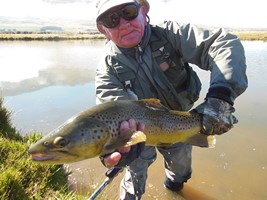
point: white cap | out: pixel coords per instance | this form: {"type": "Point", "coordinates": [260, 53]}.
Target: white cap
{"type": "Point", "coordinates": [104, 5]}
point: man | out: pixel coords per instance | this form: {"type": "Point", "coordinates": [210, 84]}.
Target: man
{"type": "Point", "coordinates": [145, 61]}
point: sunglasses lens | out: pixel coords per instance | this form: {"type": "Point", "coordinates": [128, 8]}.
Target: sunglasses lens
{"type": "Point", "coordinates": [129, 12]}
{"type": "Point", "coordinates": [111, 20]}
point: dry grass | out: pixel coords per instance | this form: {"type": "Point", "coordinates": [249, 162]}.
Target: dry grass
{"type": "Point", "coordinates": [50, 36]}
{"type": "Point", "coordinates": [243, 35]}
{"type": "Point", "coordinates": [252, 35]}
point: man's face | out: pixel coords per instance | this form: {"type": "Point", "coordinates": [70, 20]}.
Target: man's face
{"type": "Point", "coordinates": [128, 33]}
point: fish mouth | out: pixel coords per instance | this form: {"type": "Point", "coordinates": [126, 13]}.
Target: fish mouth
{"type": "Point", "coordinates": [53, 156]}
{"type": "Point", "coordinates": [43, 157]}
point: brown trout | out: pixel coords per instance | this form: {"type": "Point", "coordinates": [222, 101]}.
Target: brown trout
{"type": "Point", "coordinates": [95, 132]}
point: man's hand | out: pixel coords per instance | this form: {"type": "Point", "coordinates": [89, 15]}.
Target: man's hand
{"type": "Point", "coordinates": [125, 155]}
{"type": "Point", "coordinates": [217, 116]}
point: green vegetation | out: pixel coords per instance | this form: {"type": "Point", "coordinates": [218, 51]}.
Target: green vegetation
{"type": "Point", "coordinates": [6, 130]}
{"type": "Point", "coordinates": [20, 177]}
{"type": "Point", "coordinates": [50, 36]}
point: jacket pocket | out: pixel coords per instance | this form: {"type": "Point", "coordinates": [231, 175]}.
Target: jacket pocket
{"type": "Point", "coordinates": [194, 85]}
{"type": "Point", "coordinates": [123, 73]}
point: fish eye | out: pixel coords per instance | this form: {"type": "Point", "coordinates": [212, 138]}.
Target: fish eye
{"type": "Point", "coordinates": [60, 142]}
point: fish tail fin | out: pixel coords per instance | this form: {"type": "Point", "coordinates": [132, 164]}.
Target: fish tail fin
{"type": "Point", "coordinates": [202, 140]}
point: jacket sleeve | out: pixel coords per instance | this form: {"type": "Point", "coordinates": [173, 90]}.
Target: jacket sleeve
{"type": "Point", "coordinates": [108, 87]}
{"type": "Point", "coordinates": [217, 51]}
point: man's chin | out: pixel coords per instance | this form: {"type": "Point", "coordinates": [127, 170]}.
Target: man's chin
{"type": "Point", "coordinates": [129, 41]}
{"type": "Point", "coordinates": [129, 44]}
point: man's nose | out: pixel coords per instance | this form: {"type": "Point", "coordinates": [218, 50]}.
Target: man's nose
{"type": "Point", "coordinates": [123, 22]}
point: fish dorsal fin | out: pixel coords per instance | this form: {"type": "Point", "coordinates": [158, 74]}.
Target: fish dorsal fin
{"type": "Point", "coordinates": [154, 104]}
{"type": "Point", "coordinates": [181, 113]}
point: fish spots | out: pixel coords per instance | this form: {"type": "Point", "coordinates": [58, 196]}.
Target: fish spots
{"type": "Point", "coordinates": [114, 134]}
{"type": "Point", "coordinates": [114, 116]}
{"type": "Point", "coordinates": [82, 131]}
{"type": "Point", "coordinates": [108, 117]}
{"type": "Point", "coordinates": [115, 131]}
{"type": "Point", "coordinates": [98, 134]}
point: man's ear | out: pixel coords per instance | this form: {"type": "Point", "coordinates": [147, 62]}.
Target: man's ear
{"type": "Point", "coordinates": [144, 12]}
{"type": "Point", "coordinates": [101, 28]}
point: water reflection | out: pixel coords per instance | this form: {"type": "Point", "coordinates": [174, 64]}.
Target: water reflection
{"type": "Point", "coordinates": [235, 169]}
{"type": "Point", "coordinates": [45, 83]}
{"type": "Point", "coordinates": [49, 77]}
{"type": "Point", "coordinates": [45, 109]}
{"type": "Point", "coordinates": [30, 66]}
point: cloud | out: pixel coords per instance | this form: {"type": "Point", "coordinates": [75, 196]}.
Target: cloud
{"type": "Point", "coordinates": [229, 14]}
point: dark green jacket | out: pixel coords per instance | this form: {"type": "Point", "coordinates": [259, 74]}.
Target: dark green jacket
{"type": "Point", "coordinates": [157, 68]}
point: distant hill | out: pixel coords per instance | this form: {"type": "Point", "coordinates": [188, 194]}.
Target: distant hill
{"type": "Point", "coordinates": [51, 28]}
{"type": "Point", "coordinates": [34, 24]}
{"type": "Point", "coordinates": [11, 24]}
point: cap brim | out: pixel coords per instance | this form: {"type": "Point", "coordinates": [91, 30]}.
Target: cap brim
{"type": "Point", "coordinates": [108, 4]}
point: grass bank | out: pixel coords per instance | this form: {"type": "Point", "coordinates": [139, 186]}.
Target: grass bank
{"type": "Point", "coordinates": [20, 177]}
{"type": "Point", "coordinates": [49, 36]}
{"type": "Point", "coordinates": [243, 35]}
{"type": "Point", "coordinates": [252, 35]}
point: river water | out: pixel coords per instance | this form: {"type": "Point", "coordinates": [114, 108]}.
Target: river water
{"type": "Point", "coordinates": [45, 83]}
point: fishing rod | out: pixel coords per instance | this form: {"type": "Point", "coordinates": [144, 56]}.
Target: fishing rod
{"type": "Point", "coordinates": [110, 174]}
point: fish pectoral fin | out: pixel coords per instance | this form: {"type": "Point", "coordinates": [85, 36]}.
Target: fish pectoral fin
{"type": "Point", "coordinates": [137, 137]}
{"type": "Point", "coordinates": [202, 140]}
{"type": "Point", "coordinates": [130, 138]}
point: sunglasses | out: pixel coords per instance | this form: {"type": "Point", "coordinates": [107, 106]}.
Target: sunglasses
{"type": "Point", "coordinates": [112, 19]}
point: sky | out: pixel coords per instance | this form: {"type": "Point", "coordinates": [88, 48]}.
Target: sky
{"type": "Point", "coordinates": [227, 13]}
